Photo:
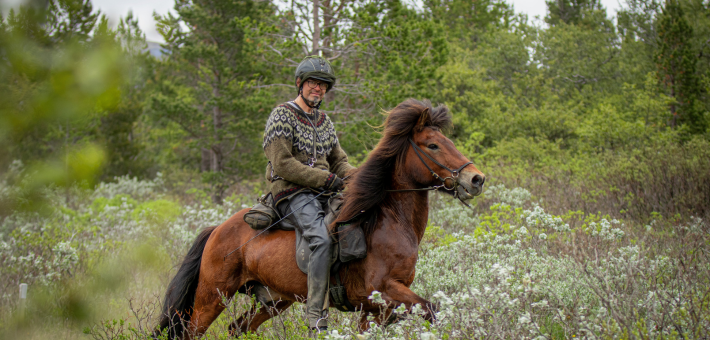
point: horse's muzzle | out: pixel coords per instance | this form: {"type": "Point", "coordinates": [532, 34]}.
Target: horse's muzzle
{"type": "Point", "coordinates": [470, 184]}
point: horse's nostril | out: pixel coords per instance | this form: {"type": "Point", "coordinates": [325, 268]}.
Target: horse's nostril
{"type": "Point", "coordinates": [478, 180]}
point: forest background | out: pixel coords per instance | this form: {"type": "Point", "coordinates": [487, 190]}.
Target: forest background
{"type": "Point", "coordinates": [605, 116]}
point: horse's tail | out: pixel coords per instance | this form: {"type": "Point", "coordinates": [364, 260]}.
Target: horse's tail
{"type": "Point", "coordinates": [180, 297]}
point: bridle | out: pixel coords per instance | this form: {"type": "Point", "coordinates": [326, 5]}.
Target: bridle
{"type": "Point", "coordinates": [454, 175]}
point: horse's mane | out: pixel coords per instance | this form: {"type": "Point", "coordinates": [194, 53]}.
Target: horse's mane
{"type": "Point", "coordinates": [366, 192]}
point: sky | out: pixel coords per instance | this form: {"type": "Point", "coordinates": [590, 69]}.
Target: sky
{"type": "Point", "coordinates": [143, 10]}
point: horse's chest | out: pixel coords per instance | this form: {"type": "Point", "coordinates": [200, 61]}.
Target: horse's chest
{"type": "Point", "coordinates": [400, 257]}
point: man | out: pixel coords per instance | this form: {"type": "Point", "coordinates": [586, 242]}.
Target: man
{"type": "Point", "coordinates": [305, 158]}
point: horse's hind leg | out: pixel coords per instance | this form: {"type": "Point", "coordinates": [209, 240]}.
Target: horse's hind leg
{"type": "Point", "coordinates": [252, 319]}
{"type": "Point", "coordinates": [209, 303]}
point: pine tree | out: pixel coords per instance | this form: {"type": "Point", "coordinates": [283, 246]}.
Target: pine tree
{"type": "Point", "coordinates": [467, 20]}
{"type": "Point", "coordinates": [207, 84]}
{"type": "Point", "coordinates": [586, 13]}
{"type": "Point", "coordinates": [676, 64]}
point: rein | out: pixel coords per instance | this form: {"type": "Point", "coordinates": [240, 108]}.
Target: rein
{"type": "Point", "coordinates": [454, 175]}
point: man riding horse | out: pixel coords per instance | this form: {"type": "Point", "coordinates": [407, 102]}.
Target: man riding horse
{"type": "Point", "coordinates": [305, 158]}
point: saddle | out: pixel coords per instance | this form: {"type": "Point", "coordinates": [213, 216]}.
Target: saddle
{"type": "Point", "coordinates": [348, 242]}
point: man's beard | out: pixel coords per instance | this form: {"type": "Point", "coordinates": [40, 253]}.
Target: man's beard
{"type": "Point", "coordinates": [310, 103]}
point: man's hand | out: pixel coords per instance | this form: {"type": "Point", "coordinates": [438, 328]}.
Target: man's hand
{"type": "Point", "coordinates": [337, 184]}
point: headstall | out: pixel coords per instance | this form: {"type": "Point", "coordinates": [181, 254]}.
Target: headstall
{"type": "Point", "coordinates": [454, 175]}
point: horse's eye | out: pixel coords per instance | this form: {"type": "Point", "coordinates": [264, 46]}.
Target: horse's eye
{"type": "Point", "coordinates": [432, 146]}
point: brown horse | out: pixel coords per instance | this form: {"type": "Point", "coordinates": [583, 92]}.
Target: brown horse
{"type": "Point", "coordinates": [393, 222]}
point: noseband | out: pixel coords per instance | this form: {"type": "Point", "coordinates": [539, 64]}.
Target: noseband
{"type": "Point", "coordinates": [454, 174]}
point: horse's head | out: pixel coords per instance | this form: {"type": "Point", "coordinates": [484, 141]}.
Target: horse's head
{"type": "Point", "coordinates": [413, 153]}
{"type": "Point", "coordinates": [432, 159]}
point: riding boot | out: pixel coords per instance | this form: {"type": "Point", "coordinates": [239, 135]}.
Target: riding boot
{"type": "Point", "coordinates": [310, 220]}
{"type": "Point", "coordinates": [318, 274]}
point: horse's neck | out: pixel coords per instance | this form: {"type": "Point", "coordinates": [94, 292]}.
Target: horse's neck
{"type": "Point", "coordinates": [412, 210]}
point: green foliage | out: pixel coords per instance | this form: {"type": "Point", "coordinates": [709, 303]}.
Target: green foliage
{"type": "Point", "coordinates": [588, 13]}
{"type": "Point", "coordinates": [676, 62]}
{"type": "Point", "coordinates": [66, 85]}
{"type": "Point", "coordinates": [203, 85]}
{"type": "Point", "coordinates": [609, 187]}
{"type": "Point", "coordinates": [466, 23]}
{"type": "Point", "coordinates": [157, 212]}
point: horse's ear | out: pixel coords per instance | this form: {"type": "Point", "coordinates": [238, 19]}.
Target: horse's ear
{"type": "Point", "coordinates": [423, 119]}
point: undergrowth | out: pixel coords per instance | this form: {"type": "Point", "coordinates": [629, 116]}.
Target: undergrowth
{"type": "Point", "coordinates": [98, 264]}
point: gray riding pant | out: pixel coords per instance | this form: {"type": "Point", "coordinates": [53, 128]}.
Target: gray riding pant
{"type": "Point", "coordinates": [309, 220]}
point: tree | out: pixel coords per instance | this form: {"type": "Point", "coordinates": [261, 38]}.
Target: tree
{"type": "Point", "coordinates": [639, 39]}
{"type": "Point", "coordinates": [589, 13]}
{"type": "Point", "coordinates": [116, 128]}
{"type": "Point", "coordinates": [676, 63]}
{"type": "Point", "coordinates": [467, 20]}
{"type": "Point", "coordinates": [50, 104]}
{"type": "Point", "coordinates": [208, 84]}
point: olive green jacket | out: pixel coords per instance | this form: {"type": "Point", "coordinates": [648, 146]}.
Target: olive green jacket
{"type": "Point", "coordinates": [288, 144]}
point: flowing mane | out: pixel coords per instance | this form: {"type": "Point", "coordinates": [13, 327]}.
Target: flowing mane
{"type": "Point", "coordinates": [366, 192]}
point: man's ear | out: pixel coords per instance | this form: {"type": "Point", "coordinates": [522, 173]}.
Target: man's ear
{"type": "Point", "coordinates": [298, 82]}
{"type": "Point", "coordinates": [423, 119]}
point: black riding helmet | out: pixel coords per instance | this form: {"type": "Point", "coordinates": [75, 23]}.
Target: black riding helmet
{"type": "Point", "coordinates": [315, 67]}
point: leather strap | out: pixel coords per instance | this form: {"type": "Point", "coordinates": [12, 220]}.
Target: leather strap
{"type": "Point", "coordinates": [338, 293]}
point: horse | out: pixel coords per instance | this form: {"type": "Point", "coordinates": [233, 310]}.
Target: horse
{"type": "Point", "coordinates": [387, 197]}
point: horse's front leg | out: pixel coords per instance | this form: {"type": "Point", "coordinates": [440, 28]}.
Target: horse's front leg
{"type": "Point", "coordinates": [397, 294]}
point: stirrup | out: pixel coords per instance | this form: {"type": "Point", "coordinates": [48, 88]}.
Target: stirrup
{"type": "Point", "coordinates": [315, 331]}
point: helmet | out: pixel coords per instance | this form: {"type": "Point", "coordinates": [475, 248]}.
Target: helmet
{"type": "Point", "coordinates": [317, 68]}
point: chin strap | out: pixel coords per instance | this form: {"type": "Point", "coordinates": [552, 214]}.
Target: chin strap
{"type": "Point", "coordinates": [300, 93]}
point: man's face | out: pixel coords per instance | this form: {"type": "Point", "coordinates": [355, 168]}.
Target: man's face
{"type": "Point", "coordinates": [314, 90]}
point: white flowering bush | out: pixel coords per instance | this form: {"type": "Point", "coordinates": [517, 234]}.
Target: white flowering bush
{"type": "Point", "coordinates": [505, 269]}
{"type": "Point", "coordinates": [131, 186]}
{"type": "Point", "coordinates": [516, 197]}
{"type": "Point", "coordinates": [47, 248]}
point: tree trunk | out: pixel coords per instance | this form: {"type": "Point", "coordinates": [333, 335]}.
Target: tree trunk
{"type": "Point", "coordinates": [206, 160]}
{"type": "Point", "coordinates": [316, 26]}
{"type": "Point", "coordinates": [216, 151]}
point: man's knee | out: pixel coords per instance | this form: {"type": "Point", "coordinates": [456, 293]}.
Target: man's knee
{"type": "Point", "coordinates": [319, 240]}
{"type": "Point", "coordinates": [304, 211]}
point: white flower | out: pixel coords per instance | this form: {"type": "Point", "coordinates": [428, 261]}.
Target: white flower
{"type": "Point", "coordinates": [524, 319]}
{"type": "Point", "coordinates": [401, 309]}
{"type": "Point", "coordinates": [376, 297]}
{"type": "Point", "coordinates": [428, 336]}
{"type": "Point", "coordinates": [441, 297]}
{"type": "Point", "coordinates": [335, 335]}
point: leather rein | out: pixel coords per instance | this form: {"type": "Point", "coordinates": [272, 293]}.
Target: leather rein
{"type": "Point", "coordinates": [454, 175]}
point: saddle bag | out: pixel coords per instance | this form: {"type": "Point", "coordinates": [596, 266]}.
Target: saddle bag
{"type": "Point", "coordinates": [352, 242]}
{"type": "Point", "coordinates": [262, 214]}
{"type": "Point", "coordinates": [350, 239]}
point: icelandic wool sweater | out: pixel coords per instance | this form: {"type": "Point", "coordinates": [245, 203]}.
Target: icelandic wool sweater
{"type": "Point", "coordinates": [288, 144]}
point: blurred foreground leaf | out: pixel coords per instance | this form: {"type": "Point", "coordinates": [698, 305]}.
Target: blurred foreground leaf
{"type": "Point", "coordinates": [62, 70]}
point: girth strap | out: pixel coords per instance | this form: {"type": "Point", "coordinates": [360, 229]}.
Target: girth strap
{"type": "Point", "coordinates": [338, 293]}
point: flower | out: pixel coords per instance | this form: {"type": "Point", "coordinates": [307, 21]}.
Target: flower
{"type": "Point", "coordinates": [376, 297]}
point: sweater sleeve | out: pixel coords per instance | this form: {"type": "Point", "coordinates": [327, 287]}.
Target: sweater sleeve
{"type": "Point", "coordinates": [278, 146]}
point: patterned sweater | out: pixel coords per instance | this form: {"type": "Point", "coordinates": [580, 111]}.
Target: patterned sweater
{"type": "Point", "coordinates": [288, 144]}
